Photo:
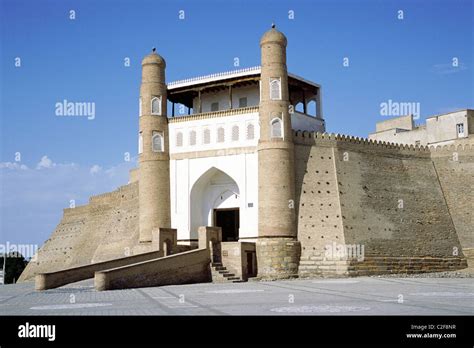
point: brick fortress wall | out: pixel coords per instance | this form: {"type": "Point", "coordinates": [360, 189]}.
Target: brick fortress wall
{"type": "Point", "coordinates": [104, 229]}
{"type": "Point", "coordinates": [382, 202]}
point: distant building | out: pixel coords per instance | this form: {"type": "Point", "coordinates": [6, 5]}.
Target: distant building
{"type": "Point", "coordinates": [455, 127]}
{"type": "Point", "coordinates": [2, 273]}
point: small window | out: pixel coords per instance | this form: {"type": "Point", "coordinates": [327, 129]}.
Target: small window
{"type": "Point", "coordinates": [220, 135]}
{"type": "Point", "coordinates": [235, 133]}
{"type": "Point", "coordinates": [192, 138]}
{"type": "Point", "coordinates": [460, 130]}
{"type": "Point", "coordinates": [243, 102]}
{"type": "Point", "coordinates": [275, 88]}
{"type": "Point", "coordinates": [250, 132]}
{"type": "Point", "coordinates": [276, 128]}
{"type": "Point", "coordinates": [312, 108]}
{"type": "Point", "coordinates": [299, 107]}
{"type": "Point", "coordinates": [157, 142]}
{"type": "Point", "coordinates": [156, 106]}
{"type": "Point", "coordinates": [215, 106]}
{"type": "Point", "coordinates": [140, 143]}
{"type": "Point", "coordinates": [206, 136]}
{"type": "Point", "coordinates": [179, 139]}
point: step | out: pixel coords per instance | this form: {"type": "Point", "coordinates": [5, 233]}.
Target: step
{"type": "Point", "coordinates": [225, 277]}
{"type": "Point", "coordinates": [226, 280]}
{"type": "Point", "coordinates": [233, 278]}
{"type": "Point", "coordinates": [221, 274]}
{"type": "Point", "coordinates": [307, 262]}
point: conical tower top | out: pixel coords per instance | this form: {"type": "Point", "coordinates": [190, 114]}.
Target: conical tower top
{"type": "Point", "coordinates": [154, 58]}
{"type": "Point", "coordinates": [273, 36]}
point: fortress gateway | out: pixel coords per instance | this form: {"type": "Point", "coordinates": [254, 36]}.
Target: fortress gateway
{"type": "Point", "coordinates": [248, 184]}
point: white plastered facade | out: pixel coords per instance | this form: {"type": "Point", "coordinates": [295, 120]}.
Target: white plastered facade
{"type": "Point", "coordinates": [204, 177]}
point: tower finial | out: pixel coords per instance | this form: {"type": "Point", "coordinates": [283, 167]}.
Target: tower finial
{"type": "Point", "coordinates": [153, 49]}
{"type": "Point", "coordinates": [273, 25]}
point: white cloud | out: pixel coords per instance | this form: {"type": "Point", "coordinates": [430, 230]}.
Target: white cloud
{"type": "Point", "coordinates": [45, 162]}
{"type": "Point", "coordinates": [13, 165]}
{"type": "Point", "coordinates": [444, 69]}
{"type": "Point", "coordinates": [95, 169]}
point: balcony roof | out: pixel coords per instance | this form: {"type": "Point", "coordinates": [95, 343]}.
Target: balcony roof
{"type": "Point", "coordinates": [228, 75]}
{"type": "Point", "coordinates": [183, 91]}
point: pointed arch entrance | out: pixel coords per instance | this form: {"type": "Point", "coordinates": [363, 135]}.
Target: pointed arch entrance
{"type": "Point", "coordinates": [215, 201]}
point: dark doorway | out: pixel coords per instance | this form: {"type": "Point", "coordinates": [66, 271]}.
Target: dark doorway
{"type": "Point", "coordinates": [249, 264]}
{"type": "Point", "coordinates": [228, 220]}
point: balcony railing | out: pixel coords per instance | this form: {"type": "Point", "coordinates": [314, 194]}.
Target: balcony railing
{"type": "Point", "coordinates": [214, 114]}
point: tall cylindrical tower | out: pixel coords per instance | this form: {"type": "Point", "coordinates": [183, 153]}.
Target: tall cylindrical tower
{"type": "Point", "coordinates": [154, 176]}
{"type": "Point", "coordinates": [278, 251]}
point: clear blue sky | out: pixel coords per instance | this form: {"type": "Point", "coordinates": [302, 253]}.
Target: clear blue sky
{"type": "Point", "coordinates": [82, 60]}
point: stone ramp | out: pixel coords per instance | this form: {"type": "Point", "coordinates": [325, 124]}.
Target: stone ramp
{"type": "Point", "coordinates": [183, 268]}
{"type": "Point", "coordinates": [193, 266]}
{"type": "Point", "coordinates": [44, 281]}
{"type": "Point", "coordinates": [155, 268]}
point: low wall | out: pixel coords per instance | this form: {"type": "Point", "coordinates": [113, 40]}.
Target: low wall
{"type": "Point", "coordinates": [375, 265]}
{"type": "Point", "coordinates": [469, 253]}
{"type": "Point", "coordinates": [184, 268]}
{"type": "Point", "coordinates": [234, 258]}
{"type": "Point", "coordinates": [52, 280]}
{"type": "Point", "coordinates": [387, 265]}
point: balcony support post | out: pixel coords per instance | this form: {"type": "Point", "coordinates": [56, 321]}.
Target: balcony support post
{"type": "Point", "coordinates": [199, 102]}
{"type": "Point", "coordinates": [304, 103]}
{"type": "Point", "coordinates": [230, 96]}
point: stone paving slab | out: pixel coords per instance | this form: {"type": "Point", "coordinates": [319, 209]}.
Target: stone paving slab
{"type": "Point", "coordinates": [354, 296]}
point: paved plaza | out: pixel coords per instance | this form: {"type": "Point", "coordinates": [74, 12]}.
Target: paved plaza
{"type": "Point", "coordinates": [354, 296]}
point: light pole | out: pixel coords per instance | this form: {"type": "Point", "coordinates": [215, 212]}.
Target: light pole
{"type": "Point", "coordinates": [4, 265]}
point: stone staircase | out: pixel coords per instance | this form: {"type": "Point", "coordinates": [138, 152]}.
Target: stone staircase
{"type": "Point", "coordinates": [309, 266]}
{"type": "Point", "coordinates": [220, 274]}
